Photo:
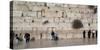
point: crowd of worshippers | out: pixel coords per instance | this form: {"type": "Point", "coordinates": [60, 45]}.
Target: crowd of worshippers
{"type": "Point", "coordinates": [21, 38]}
{"type": "Point", "coordinates": [18, 38]}
{"type": "Point", "coordinates": [90, 34]}
{"type": "Point", "coordinates": [26, 37]}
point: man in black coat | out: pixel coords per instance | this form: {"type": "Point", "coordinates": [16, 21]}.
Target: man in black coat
{"type": "Point", "coordinates": [84, 34]}
{"type": "Point", "coordinates": [89, 34]}
{"type": "Point", "coordinates": [27, 37]}
{"type": "Point", "coordinates": [53, 35]}
{"type": "Point", "coordinates": [93, 32]}
{"type": "Point", "coordinates": [96, 33]}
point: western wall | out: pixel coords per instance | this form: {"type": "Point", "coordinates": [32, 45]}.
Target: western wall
{"type": "Point", "coordinates": [39, 18]}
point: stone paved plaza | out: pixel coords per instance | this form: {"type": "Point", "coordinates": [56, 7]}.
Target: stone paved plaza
{"type": "Point", "coordinates": [52, 43]}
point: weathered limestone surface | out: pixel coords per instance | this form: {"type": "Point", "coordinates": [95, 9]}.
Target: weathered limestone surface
{"type": "Point", "coordinates": [30, 17]}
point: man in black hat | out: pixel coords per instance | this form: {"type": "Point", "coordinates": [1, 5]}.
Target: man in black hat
{"type": "Point", "coordinates": [53, 35]}
{"type": "Point", "coordinates": [27, 37]}
{"type": "Point", "coordinates": [89, 34]}
{"type": "Point", "coordinates": [84, 34]}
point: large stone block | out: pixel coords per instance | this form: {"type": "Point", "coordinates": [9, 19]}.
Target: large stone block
{"type": "Point", "coordinates": [30, 14]}
{"type": "Point", "coordinates": [17, 13]}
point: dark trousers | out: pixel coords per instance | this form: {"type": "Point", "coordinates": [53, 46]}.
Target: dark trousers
{"type": "Point", "coordinates": [92, 35]}
{"type": "Point", "coordinates": [83, 35]}
{"type": "Point", "coordinates": [89, 35]}
{"type": "Point", "coordinates": [27, 40]}
{"type": "Point", "coordinates": [54, 38]}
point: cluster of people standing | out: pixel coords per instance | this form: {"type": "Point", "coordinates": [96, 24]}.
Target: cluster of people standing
{"type": "Point", "coordinates": [54, 36]}
{"type": "Point", "coordinates": [20, 37]}
{"type": "Point", "coordinates": [86, 34]}
{"type": "Point", "coordinates": [90, 34]}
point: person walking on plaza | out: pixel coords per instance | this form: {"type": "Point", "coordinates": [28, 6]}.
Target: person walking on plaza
{"type": "Point", "coordinates": [89, 34]}
{"type": "Point", "coordinates": [27, 37]}
{"type": "Point", "coordinates": [84, 34]}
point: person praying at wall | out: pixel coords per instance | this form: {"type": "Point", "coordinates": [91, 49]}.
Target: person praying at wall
{"type": "Point", "coordinates": [93, 32]}
{"type": "Point", "coordinates": [27, 37]}
{"type": "Point", "coordinates": [96, 33]}
{"type": "Point", "coordinates": [89, 33]}
{"type": "Point", "coordinates": [84, 34]}
{"type": "Point", "coordinates": [52, 34]}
